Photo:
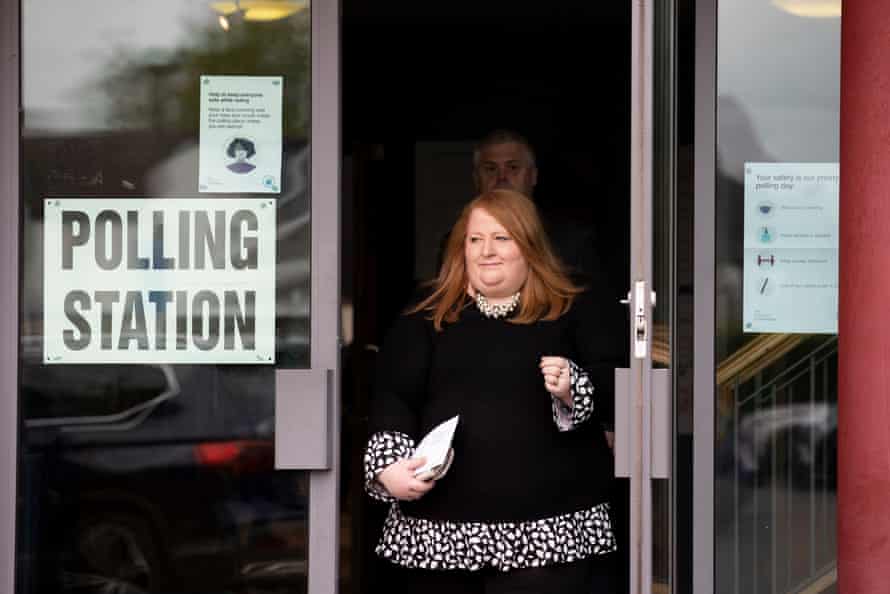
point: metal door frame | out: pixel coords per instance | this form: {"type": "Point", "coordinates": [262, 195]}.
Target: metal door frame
{"type": "Point", "coordinates": [705, 138]}
{"type": "Point", "coordinates": [641, 378]}
{"type": "Point", "coordinates": [10, 133]}
{"type": "Point", "coordinates": [307, 401]}
{"type": "Point", "coordinates": [324, 484]}
{"type": "Point", "coordinates": [641, 277]}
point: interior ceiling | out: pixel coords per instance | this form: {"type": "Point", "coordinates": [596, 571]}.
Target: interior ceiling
{"type": "Point", "coordinates": [428, 70]}
{"type": "Point", "coordinates": [603, 12]}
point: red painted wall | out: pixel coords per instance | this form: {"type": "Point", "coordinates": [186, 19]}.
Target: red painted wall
{"type": "Point", "coordinates": [864, 325]}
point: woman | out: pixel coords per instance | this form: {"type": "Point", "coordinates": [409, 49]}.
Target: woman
{"type": "Point", "coordinates": [502, 341]}
{"type": "Point", "coordinates": [241, 149]}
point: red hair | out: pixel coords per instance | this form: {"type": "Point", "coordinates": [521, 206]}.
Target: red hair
{"type": "Point", "coordinates": [548, 292]}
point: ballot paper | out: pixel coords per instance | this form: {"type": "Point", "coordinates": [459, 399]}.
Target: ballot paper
{"type": "Point", "coordinates": [436, 448]}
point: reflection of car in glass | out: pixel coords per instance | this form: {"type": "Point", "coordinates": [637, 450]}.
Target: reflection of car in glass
{"type": "Point", "coordinates": [157, 478]}
{"type": "Point", "coordinates": [145, 477]}
{"type": "Point", "coordinates": [803, 437]}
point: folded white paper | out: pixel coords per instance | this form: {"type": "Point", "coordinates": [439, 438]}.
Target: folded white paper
{"type": "Point", "coordinates": [435, 447]}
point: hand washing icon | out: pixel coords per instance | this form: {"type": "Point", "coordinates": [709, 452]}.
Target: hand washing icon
{"type": "Point", "coordinates": [766, 234]}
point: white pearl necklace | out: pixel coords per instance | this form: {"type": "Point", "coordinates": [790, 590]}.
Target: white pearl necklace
{"type": "Point", "coordinates": [493, 310]}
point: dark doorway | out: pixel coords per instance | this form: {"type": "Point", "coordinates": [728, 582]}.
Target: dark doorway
{"type": "Point", "coordinates": [421, 83]}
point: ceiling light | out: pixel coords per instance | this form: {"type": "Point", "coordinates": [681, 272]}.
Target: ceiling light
{"type": "Point", "coordinates": [260, 10]}
{"type": "Point", "coordinates": [823, 9]}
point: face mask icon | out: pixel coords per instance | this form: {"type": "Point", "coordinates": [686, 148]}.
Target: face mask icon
{"type": "Point", "coordinates": [765, 209]}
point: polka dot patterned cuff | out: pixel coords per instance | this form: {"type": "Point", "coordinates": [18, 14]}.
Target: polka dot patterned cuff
{"type": "Point", "coordinates": [568, 417]}
{"type": "Point", "coordinates": [384, 448]}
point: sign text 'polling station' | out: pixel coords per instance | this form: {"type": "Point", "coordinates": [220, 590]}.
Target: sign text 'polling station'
{"type": "Point", "coordinates": [159, 280]}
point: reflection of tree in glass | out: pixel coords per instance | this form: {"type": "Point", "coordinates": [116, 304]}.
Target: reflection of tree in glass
{"type": "Point", "coordinates": [159, 89]}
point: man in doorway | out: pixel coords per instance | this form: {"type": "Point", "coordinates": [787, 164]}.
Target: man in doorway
{"type": "Point", "coordinates": [505, 159]}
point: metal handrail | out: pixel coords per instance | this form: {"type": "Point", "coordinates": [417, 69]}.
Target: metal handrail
{"type": "Point", "coordinates": [815, 355]}
{"type": "Point", "coordinates": [818, 583]}
{"type": "Point", "coordinates": [798, 383]}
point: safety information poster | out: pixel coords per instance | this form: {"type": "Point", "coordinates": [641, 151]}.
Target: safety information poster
{"type": "Point", "coordinates": [241, 134]}
{"type": "Point", "coordinates": [791, 248]}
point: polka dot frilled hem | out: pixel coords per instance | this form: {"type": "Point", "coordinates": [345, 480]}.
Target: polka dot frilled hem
{"type": "Point", "coordinates": [426, 544]}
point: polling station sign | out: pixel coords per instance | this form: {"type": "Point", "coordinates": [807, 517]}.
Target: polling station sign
{"type": "Point", "coordinates": [159, 280]}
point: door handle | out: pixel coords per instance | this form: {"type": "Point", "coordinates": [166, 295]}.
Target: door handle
{"type": "Point", "coordinates": [641, 324]}
{"type": "Point", "coordinates": [304, 434]}
{"type": "Point", "coordinates": [660, 424]}
{"type": "Point", "coordinates": [637, 297]}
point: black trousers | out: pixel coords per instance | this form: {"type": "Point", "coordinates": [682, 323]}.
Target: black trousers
{"type": "Point", "coordinates": [588, 576]}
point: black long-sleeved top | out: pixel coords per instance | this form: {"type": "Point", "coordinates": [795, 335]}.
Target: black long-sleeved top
{"type": "Point", "coordinates": [512, 463]}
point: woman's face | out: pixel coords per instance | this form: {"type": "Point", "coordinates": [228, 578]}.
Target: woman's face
{"type": "Point", "coordinates": [240, 153]}
{"type": "Point", "coordinates": [495, 264]}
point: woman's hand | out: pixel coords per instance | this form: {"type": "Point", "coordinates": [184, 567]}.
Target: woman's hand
{"type": "Point", "coordinates": [399, 481]}
{"type": "Point", "coordinates": [556, 378]}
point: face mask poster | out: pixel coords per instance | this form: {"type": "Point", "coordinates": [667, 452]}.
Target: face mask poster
{"type": "Point", "coordinates": [241, 138]}
{"type": "Point", "coordinates": [791, 248]}
{"type": "Point", "coordinates": [159, 280]}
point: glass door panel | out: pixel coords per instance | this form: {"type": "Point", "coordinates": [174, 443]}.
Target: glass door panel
{"type": "Point", "coordinates": [663, 285]}
{"type": "Point", "coordinates": [661, 258]}
{"type": "Point", "coordinates": [160, 476]}
{"type": "Point", "coordinates": [776, 343]}
{"type": "Point", "coordinates": [651, 298]}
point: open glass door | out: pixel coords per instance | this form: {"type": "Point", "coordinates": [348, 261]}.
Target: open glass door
{"type": "Point", "coordinates": [766, 210]}
{"type": "Point", "coordinates": [178, 267]}
{"type": "Point", "coordinates": [307, 412]}
{"type": "Point", "coordinates": [645, 393]}
{"type": "Point", "coordinates": [775, 371]}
